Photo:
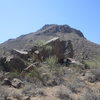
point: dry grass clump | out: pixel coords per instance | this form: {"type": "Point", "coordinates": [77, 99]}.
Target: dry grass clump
{"type": "Point", "coordinates": [64, 93]}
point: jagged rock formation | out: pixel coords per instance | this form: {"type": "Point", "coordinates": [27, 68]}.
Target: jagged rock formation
{"type": "Point", "coordinates": [11, 64]}
{"type": "Point", "coordinates": [20, 59]}
{"type": "Point", "coordinates": [83, 49]}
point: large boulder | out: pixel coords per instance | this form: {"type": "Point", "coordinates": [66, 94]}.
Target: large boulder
{"type": "Point", "coordinates": [53, 47]}
{"type": "Point", "coordinates": [15, 64]}
{"type": "Point", "coordinates": [57, 48]}
{"type": "Point", "coordinates": [69, 52]}
{"type": "Point", "coordinates": [11, 64]}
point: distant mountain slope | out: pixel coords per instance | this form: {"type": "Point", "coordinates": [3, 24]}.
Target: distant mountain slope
{"type": "Point", "coordinates": [83, 49]}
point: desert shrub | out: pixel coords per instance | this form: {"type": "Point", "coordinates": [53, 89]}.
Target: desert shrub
{"type": "Point", "coordinates": [76, 85]}
{"type": "Point", "coordinates": [32, 90]}
{"type": "Point", "coordinates": [90, 95]}
{"type": "Point", "coordinates": [96, 73]}
{"type": "Point", "coordinates": [29, 89]}
{"type": "Point", "coordinates": [76, 68]}
{"type": "Point", "coordinates": [64, 94]}
{"type": "Point", "coordinates": [86, 65]}
{"type": "Point", "coordinates": [35, 76]}
{"type": "Point", "coordinates": [39, 43]}
{"type": "Point", "coordinates": [59, 71]}
{"type": "Point", "coordinates": [93, 75]}
{"type": "Point", "coordinates": [48, 47]}
{"type": "Point", "coordinates": [34, 73]}
{"type": "Point", "coordinates": [16, 96]}
{"type": "Point", "coordinates": [3, 94]}
{"type": "Point", "coordinates": [52, 61]}
{"type": "Point", "coordinates": [94, 63]}
{"type": "Point", "coordinates": [12, 75]}
{"type": "Point", "coordinates": [39, 92]}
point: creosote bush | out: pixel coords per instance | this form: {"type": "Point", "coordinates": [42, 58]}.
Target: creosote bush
{"type": "Point", "coordinates": [94, 63]}
{"type": "Point", "coordinates": [39, 43]}
{"type": "Point", "coordinates": [52, 61]}
{"type": "Point", "coordinates": [14, 75]}
{"type": "Point", "coordinates": [35, 75]}
{"type": "Point", "coordinates": [64, 94]}
{"type": "Point", "coordinates": [48, 47]}
{"type": "Point", "coordinates": [88, 94]}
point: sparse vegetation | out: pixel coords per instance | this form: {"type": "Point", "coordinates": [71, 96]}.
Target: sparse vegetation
{"type": "Point", "coordinates": [52, 61]}
{"type": "Point", "coordinates": [13, 75]}
{"type": "Point", "coordinates": [48, 47]}
{"type": "Point", "coordinates": [64, 94]}
{"type": "Point", "coordinates": [39, 43]}
{"type": "Point", "coordinates": [94, 63]}
{"type": "Point", "coordinates": [34, 74]}
{"type": "Point", "coordinates": [88, 94]}
{"type": "Point", "coordinates": [44, 70]}
{"type": "Point", "coordinates": [3, 93]}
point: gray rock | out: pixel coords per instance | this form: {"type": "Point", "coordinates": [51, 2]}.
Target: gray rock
{"type": "Point", "coordinates": [17, 83]}
{"type": "Point", "coordinates": [6, 81]}
{"type": "Point", "coordinates": [26, 98]}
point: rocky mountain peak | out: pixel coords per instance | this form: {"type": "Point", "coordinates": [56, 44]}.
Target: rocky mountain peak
{"type": "Point", "coordinates": [49, 29]}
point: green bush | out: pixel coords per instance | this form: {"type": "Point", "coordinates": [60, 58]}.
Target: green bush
{"type": "Point", "coordinates": [94, 63]}
{"type": "Point", "coordinates": [35, 74]}
{"type": "Point", "coordinates": [39, 43]}
{"type": "Point", "coordinates": [48, 47]}
{"type": "Point", "coordinates": [14, 75]}
{"type": "Point", "coordinates": [35, 77]}
{"type": "Point", "coordinates": [52, 61]}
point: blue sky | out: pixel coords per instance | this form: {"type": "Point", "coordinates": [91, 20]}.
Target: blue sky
{"type": "Point", "coordinates": [19, 17]}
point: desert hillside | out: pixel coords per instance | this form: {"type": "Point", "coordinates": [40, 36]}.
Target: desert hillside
{"type": "Point", "coordinates": [83, 48]}
{"type": "Point", "coordinates": [56, 62]}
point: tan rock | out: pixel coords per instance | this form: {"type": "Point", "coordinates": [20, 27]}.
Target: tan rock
{"type": "Point", "coordinates": [26, 98]}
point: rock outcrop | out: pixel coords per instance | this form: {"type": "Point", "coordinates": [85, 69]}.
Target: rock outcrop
{"type": "Point", "coordinates": [11, 63]}
{"type": "Point", "coordinates": [54, 47]}
{"type": "Point", "coordinates": [16, 83]}
{"type": "Point", "coordinates": [83, 49]}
